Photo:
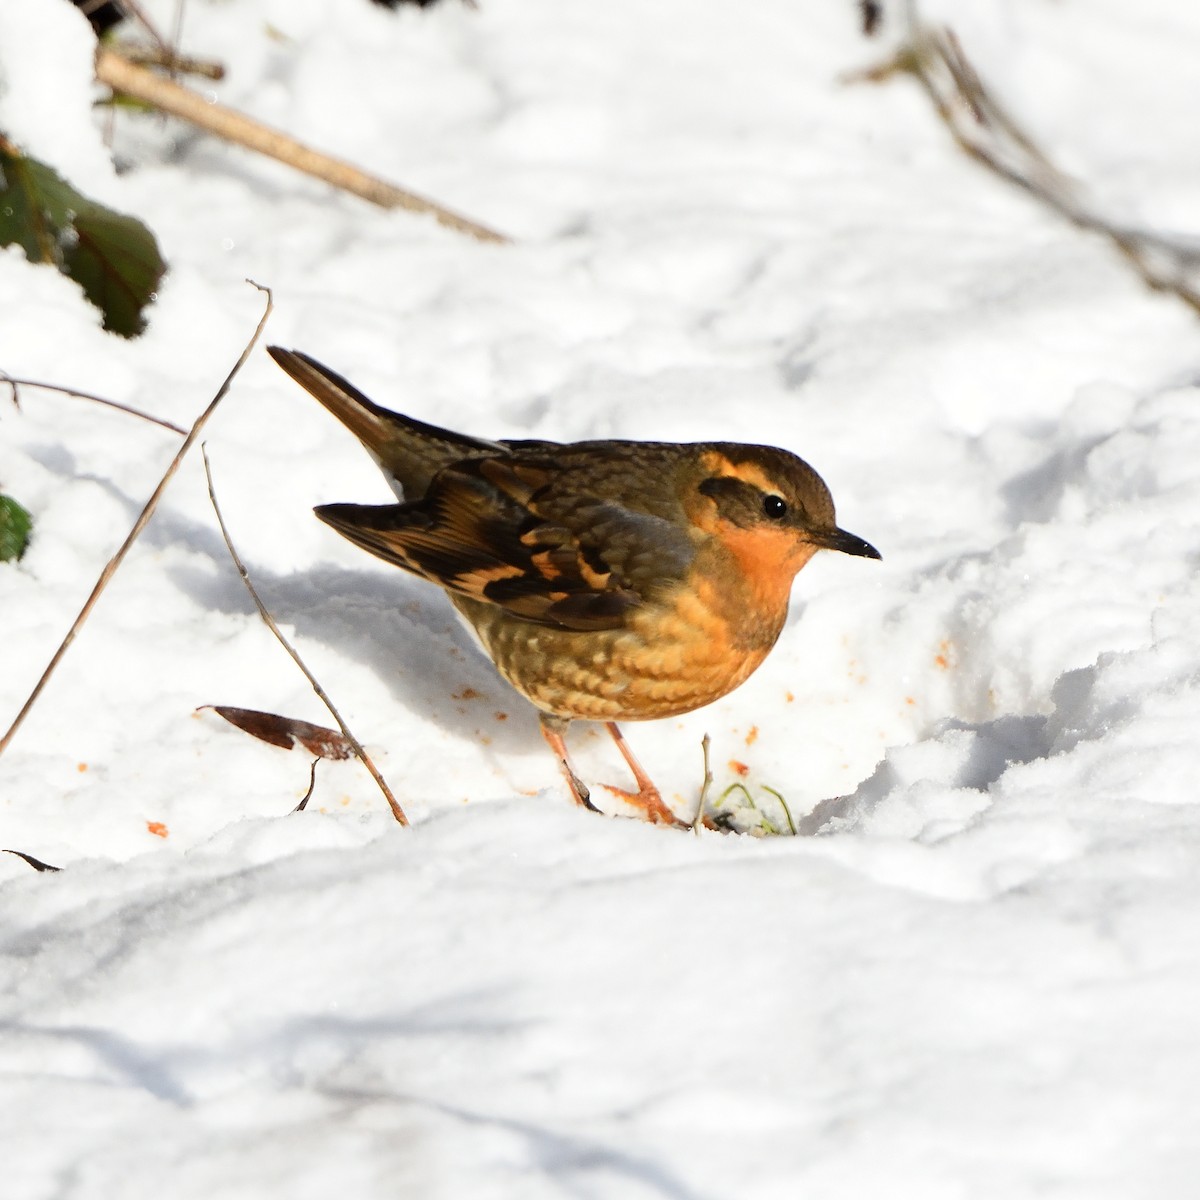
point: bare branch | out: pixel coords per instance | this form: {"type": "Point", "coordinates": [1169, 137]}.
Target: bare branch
{"type": "Point", "coordinates": [699, 818]}
{"type": "Point", "coordinates": [123, 76]}
{"type": "Point", "coordinates": [133, 9]}
{"type": "Point", "coordinates": [66, 391]}
{"type": "Point", "coordinates": [312, 784]}
{"type": "Point", "coordinates": [117, 559]}
{"type": "Point", "coordinates": [184, 64]}
{"type": "Point", "coordinates": [986, 132]}
{"type": "Point", "coordinates": [359, 752]}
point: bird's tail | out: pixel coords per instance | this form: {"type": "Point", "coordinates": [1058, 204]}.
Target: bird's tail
{"type": "Point", "coordinates": [409, 451]}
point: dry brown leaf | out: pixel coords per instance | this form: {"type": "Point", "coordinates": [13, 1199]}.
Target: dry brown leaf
{"type": "Point", "coordinates": [287, 732]}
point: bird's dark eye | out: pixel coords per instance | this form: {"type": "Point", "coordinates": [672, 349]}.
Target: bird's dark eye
{"type": "Point", "coordinates": [775, 507]}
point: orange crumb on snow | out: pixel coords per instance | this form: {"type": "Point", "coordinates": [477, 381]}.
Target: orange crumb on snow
{"type": "Point", "coordinates": [752, 736]}
{"type": "Point", "coordinates": [501, 716]}
{"type": "Point", "coordinates": [81, 767]}
{"type": "Point", "coordinates": [157, 828]}
{"type": "Point", "coordinates": [944, 658]}
{"type": "Point", "coordinates": [738, 768]}
{"type": "Point", "coordinates": [910, 701]}
{"type": "Point", "coordinates": [789, 697]}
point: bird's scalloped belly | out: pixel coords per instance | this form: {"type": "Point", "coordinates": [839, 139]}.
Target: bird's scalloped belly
{"type": "Point", "coordinates": [667, 661]}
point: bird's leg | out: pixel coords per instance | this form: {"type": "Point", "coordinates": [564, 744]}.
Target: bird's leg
{"type": "Point", "coordinates": [647, 797]}
{"type": "Point", "coordinates": [553, 730]}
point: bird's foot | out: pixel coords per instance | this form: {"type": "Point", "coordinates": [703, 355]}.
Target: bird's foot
{"type": "Point", "coordinates": [647, 798]}
{"type": "Point", "coordinates": [650, 803]}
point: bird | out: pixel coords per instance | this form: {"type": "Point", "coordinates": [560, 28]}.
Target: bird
{"type": "Point", "coordinates": [608, 580]}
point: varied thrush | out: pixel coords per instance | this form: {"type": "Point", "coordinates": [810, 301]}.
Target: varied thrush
{"type": "Point", "coordinates": [607, 580]}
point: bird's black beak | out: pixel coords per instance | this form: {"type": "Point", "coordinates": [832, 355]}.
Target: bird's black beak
{"type": "Point", "coordinates": [847, 543]}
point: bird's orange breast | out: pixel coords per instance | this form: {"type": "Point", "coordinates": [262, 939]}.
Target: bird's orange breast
{"type": "Point", "coordinates": [764, 562]}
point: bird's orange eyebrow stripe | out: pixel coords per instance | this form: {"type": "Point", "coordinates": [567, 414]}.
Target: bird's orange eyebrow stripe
{"type": "Point", "coordinates": [747, 472]}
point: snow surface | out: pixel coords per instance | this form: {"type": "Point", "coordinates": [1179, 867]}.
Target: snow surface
{"type": "Point", "coordinates": [975, 974]}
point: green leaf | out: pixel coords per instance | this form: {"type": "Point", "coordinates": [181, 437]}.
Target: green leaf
{"type": "Point", "coordinates": [15, 524]}
{"type": "Point", "coordinates": [113, 257]}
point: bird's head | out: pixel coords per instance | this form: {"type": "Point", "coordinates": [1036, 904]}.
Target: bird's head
{"type": "Point", "coordinates": [769, 509]}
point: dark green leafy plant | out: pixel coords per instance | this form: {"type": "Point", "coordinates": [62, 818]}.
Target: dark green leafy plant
{"type": "Point", "coordinates": [113, 257]}
{"type": "Point", "coordinates": [15, 524]}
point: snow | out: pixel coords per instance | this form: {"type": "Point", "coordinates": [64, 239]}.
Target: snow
{"type": "Point", "coordinates": [974, 973]}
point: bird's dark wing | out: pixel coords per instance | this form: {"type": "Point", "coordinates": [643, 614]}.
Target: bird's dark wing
{"type": "Point", "coordinates": [483, 531]}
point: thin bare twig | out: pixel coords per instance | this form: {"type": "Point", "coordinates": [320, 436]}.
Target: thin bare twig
{"type": "Point", "coordinates": [359, 752]}
{"type": "Point", "coordinates": [312, 784]}
{"type": "Point", "coordinates": [183, 64]}
{"type": "Point", "coordinates": [986, 132]}
{"type": "Point", "coordinates": [123, 76]}
{"type": "Point", "coordinates": [117, 559]}
{"type": "Point", "coordinates": [177, 31]}
{"type": "Point", "coordinates": [133, 9]}
{"type": "Point", "coordinates": [66, 391]}
{"type": "Point", "coordinates": [698, 819]}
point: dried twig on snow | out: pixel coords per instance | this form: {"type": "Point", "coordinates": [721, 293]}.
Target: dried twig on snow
{"type": "Point", "coordinates": [986, 132]}
{"type": "Point", "coordinates": [16, 384]}
{"type": "Point", "coordinates": [359, 752]}
{"type": "Point", "coordinates": [183, 64]}
{"type": "Point", "coordinates": [117, 559]}
{"type": "Point", "coordinates": [698, 819]}
{"type": "Point", "coordinates": [134, 10]}
{"type": "Point", "coordinates": [142, 84]}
